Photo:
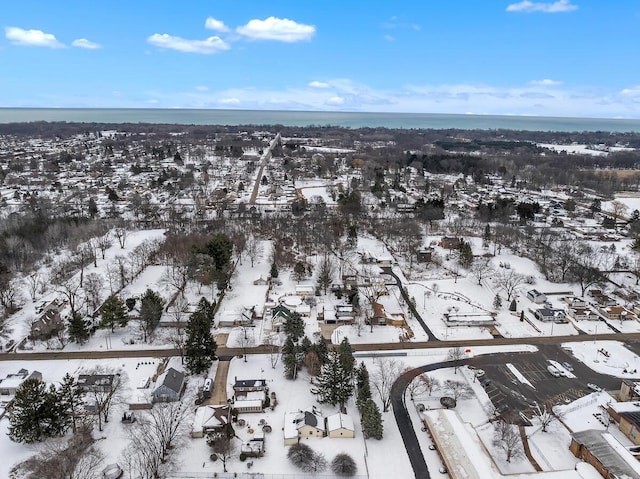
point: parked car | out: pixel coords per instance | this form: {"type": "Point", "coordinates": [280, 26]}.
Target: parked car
{"type": "Point", "coordinates": [443, 470]}
{"type": "Point", "coordinates": [567, 366]}
{"type": "Point", "coordinates": [594, 387]}
{"type": "Point", "coordinates": [555, 372]}
{"type": "Point", "coordinates": [432, 447]}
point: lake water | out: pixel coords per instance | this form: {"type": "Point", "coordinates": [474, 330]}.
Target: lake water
{"type": "Point", "coordinates": [319, 118]}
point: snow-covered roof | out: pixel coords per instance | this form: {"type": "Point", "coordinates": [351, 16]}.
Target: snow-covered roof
{"type": "Point", "coordinates": [339, 421]}
{"type": "Point", "coordinates": [615, 458]}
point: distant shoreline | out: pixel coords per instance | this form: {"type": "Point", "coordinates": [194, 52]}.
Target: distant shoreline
{"type": "Point", "coordinates": [317, 118]}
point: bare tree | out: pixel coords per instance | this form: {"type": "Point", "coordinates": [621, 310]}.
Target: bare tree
{"type": "Point", "coordinates": [33, 284]}
{"type": "Point", "coordinates": [480, 269]}
{"type": "Point", "coordinates": [421, 384]}
{"type": "Point", "coordinates": [506, 437]}
{"type": "Point", "coordinates": [326, 270]}
{"type": "Point", "coordinates": [9, 296]}
{"type": "Point", "coordinates": [93, 286]}
{"type": "Point", "coordinates": [253, 249]}
{"type": "Point", "coordinates": [168, 423]}
{"type": "Point", "coordinates": [275, 349]}
{"type": "Point", "coordinates": [77, 458]}
{"type": "Point", "coordinates": [545, 415]}
{"type": "Point", "coordinates": [225, 448]}
{"type": "Point", "coordinates": [245, 340]}
{"type": "Point", "coordinates": [121, 236]}
{"type": "Point", "coordinates": [385, 372]}
{"type": "Point", "coordinates": [108, 392]}
{"type": "Point", "coordinates": [456, 355]}
{"type": "Point", "coordinates": [457, 389]}
{"type": "Point", "coordinates": [70, 289]}
{"type": "Point", "coordinates": [103, 243]}
{"type": "Point", "coordinates": [510, 282]}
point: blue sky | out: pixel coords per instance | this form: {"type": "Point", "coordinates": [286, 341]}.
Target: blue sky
{"type": "Point", "coordinates": [527, 57]}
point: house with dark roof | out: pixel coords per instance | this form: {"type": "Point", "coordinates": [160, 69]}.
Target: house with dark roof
{"type": "Point", "coordinates": [95, 382]}
{"type": "Point", "coordinates": [169, 386]}
{"type": "Point", "coordinates": [630, 425]}
{"type": "Point", "coordinates": [244, 386]}
{"type": "Point", "coordinates": [302, 424]}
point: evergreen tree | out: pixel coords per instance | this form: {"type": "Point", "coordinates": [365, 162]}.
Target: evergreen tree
{"type": "Point", "coordinates": [151, 306]}
{"type": "Point", "coordinates": [274, 270]}
{"type": "Point", "coordinates": [363, 387]}
{"type": "Point", "coordinates": [320, 348]}
{"type": "Point", "coordinates": [371, 420]}
{"type": "Point", "coordinates": [347, 360]}
{"type": "Point", "coordinates": [78, 329]}
{"type": "Point", "coordinates": [465, 254]}
{"type": "Point", "coordinates": [305, 345]}
{"type": "Point", "coordinates": [113, 313]}
{"type": "Point", "coordinates": [93, 208]}
{"type": "Point", "coordinates": [513, 305]}
{"type": "Point", "coordinates": [34, 413]}
{"type": "Point", "coordinates": [70, 398]}
{"type": "Point", "coordinates": [497, 302]}
{"type": "Point", "coordinates": [334, 384]}
{"type": "Point", "coordinates": [200, 347]}
{"type": "Point", "coordinates": [294, 327]}
{"type": "Point", "coordinates": [290, 359]}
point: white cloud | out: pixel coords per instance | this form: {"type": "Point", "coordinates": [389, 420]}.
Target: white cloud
{"type": "Point", "coordinates": [215, 25]}
{"type": "Point", "coordinates": [546, 82]}
{"type": "Point", "coordinates": [278, 29]}
{"type": "Point", "coordinates": [335, 100]}
{"type": "Point", "coordinates": [389, 38]}
{"type": "Point", "coordinates": [319, 84]}
{"type": "Point", "coordinates": [84, 43]}
{"type": "Point", "coordinates": [206, 47]}
{"type": "Point", "coordinates": [556, 7]}
{"type": "Point", "coordinates": [632, 91]}
{"type": "Point", "coordinates": [229, 101]}
{"type": "Point", "coordinates": [202, 88]}
{"type": "Point", "coordinates": [31, 38]}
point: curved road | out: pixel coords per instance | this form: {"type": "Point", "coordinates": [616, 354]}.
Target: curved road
{"type": "Point", "coordinates": [407, 431]}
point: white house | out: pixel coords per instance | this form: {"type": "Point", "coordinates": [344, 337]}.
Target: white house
{"type": "Point", "coordinates": [340, 425]}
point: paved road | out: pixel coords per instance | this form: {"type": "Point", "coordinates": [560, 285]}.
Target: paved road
{"type": "Point", "coordinates": [407, 431]}
{"type": "Point", "coordinates": [412, 308]}
{"type": "Point", "coordinates": [266, 156]}
{"type": "Point", "coordinates": [224, 351]}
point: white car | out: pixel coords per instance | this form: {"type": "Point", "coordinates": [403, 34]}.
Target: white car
{"type": "Point", "coordinates": [594, 387]}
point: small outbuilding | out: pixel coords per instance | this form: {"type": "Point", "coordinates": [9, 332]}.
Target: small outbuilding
{"type": "Point", "coordinates": [340, 425]}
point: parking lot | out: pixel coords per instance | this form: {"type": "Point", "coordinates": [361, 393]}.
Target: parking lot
{"type": "Point", "coordinates": [512, 397]}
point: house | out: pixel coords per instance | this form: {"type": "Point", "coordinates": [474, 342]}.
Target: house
{"type": "Point", "coordinates": [244, 386]}
{"type": "Point", "coordinates": [550, 314]}
{"type": "Point", "coordinates": [449, 242]}
{"type": "Point", "coordinates": [575, 302]}
{"type": "Point", "coordinates": [616, 312]}
{"type": "Point", "coordinates": [95, 382]}
{"type": "Point", "coordinates": [280, 315]}
{"type": "Point", "coordinates": [254, 447]}
{"type": "Point", "coordinates": [169, 386]}
{"type": "Point", "coordinates": [424, 255]}
{"type": "Point", "coordinates": [536, 296]}
{"type": "Point", "coordinates": [302, 424]}
{"type": "Point", "coordinates": [339, 425]}
{"type": "Point", "coordinates": [604, 452]}
{"type": "Point", "coordinates": [381, 317]}
{"type": "Point", "coordinates": [230, 319]}
{"type": "Point", "coordinates": [260, 281]}
{"type": "Point", "coordinates": [10, 384]}
{"type": "Point", "coordinates": [305, 290]}
{"type": "Point", "coordinates": [250, 402]}
{"type": "Point", "coordinates": [210, 419]}
{"type": "Point", "coordinates": [49, 323]}
{"type": "Point", "coordinates": [582, 313]}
